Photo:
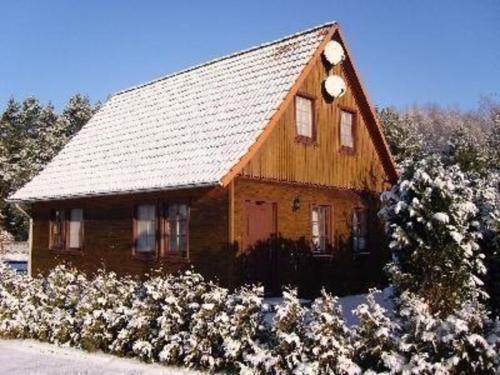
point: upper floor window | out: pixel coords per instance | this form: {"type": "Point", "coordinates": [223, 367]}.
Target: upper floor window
{"type": "Point", "coordinates": [304, 117]}
{"type": "Point", "coordinates": [321, 228]}
{"type": "Point", "coordinates": [347, 123]}
{"type": "Point", "coordinates": [162, 229]}
{"type": "Point", "coordinates": [360, 231]}
{"type": "Point", "coordinates": [66, 229]}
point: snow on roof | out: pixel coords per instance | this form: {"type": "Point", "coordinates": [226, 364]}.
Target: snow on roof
{"type": "Point", "coordinates": [187, 129]}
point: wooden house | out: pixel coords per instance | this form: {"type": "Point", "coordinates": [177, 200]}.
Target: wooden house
{"type": "Point", "coordinates": [204, 166]}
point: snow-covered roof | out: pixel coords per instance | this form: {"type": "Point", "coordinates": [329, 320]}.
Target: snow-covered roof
{"type": "Point", "coordinates": [187, 129]}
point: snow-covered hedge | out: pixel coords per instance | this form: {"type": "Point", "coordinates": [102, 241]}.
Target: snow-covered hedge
{"type": "Point", "coordinates": [186, 320]}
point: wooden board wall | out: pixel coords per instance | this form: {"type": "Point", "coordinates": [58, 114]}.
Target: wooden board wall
{"type": "Point", "coordinates": [296, 224]}
{"type": "Point", "coordinates": [108, 234]}
{"type": "Point", "coordinates": [282, 158]}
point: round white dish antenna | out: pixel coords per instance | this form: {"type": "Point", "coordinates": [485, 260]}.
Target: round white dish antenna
{"type": "Point", "coordinates": [334, 52]}
{"type": "Point", "coordinates": [335, 86]}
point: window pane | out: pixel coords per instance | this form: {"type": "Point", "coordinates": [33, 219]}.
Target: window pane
{"type": "Point", "coordinates": [360, 230]}
{"type": "Point", "coordinates": [315, 222]}
{"type": "Point", "coordinates": [146, 228]}
{"type": "Point", "coordinates": [176, 217]}
{"type": "Point", "coordinates": [320, 222]}
{"type": "Point", "coordinates": [75, 227]}
{"type": "Point", "coordinates": [304, 116]}
{"type": "Point", "coordinates": [346, 136]}
{"type": "Point", "coordinates": [57, 229]}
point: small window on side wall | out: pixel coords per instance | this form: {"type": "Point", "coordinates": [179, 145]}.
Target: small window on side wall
{"type": "Point", "coordinates": [347, 130]}
{"type": "Point", "coordinates": [321, 217]}
{"type": "Point", "coordinates": [360, 231]}
{"type": "Point", "coordinates": [304, 118]}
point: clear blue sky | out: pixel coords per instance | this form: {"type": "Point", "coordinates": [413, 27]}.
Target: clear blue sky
{"type": "Point", "coordinates": [408, 51]}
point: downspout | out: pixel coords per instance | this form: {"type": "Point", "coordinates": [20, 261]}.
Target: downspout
{"type": "Point", "coordinates": [30, 235]}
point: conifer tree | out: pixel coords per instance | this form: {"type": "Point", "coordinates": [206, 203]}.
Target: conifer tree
{"type": "Point", "coordinates": [431, 224]}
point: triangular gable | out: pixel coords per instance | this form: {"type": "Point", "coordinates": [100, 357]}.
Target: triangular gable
{"type": "Point", "coordinates": [374, 127]}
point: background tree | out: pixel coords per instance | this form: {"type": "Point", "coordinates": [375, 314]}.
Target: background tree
{"type": "Point", "coordinates": [403, 137]}
{"type": "Point", "coordinates": [31, 134]}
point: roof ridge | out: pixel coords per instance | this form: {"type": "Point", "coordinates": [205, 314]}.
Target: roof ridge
{"type": "Point", "coordinates": [225, 57]}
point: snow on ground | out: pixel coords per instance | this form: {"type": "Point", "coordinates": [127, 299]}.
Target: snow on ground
{"type": "Point", "coordinates": [348, 303]}
{"type": "Point", "coordinates": [30, 357]}
{"type": "Point", "coordinates": [14, 257]}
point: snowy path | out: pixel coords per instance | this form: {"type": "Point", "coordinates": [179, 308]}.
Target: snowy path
{"type": "Point", "coordinates": [30, 357]}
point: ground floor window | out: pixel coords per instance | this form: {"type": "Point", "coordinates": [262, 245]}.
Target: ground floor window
{"type": "Point", "coordinates": [360, 231]}
{"type": "Point", "coordinates": [145, 228]}
{"type": "Point", "coordinates": [321, 221]}
{"type": "Point", "coordinates": [162, 228]}
{"type": "Point", "coordinates": [66, 229]}
{"type": "Point", "coordinates": [175, 228]}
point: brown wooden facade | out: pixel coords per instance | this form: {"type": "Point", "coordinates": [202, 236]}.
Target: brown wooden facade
{"type": "Point", "coordinates": [278, 183]}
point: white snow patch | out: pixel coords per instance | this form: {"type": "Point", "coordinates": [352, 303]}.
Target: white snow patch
{"type": "Point", "coordinates": [32, 357]}
{"type": "Point", "coordinates": [14, 257]}
{"type": "Point", "coordinates": [349, 303]}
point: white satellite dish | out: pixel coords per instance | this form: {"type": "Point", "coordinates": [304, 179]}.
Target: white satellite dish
{"type": "Point", "coordinates": [335, 86]}
{"type": "Point", "coordinates": [334, 52]}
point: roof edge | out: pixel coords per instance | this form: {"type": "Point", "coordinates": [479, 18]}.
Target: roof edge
{"type": "Point", "coordinates": [114, 193]}
{"type": "Point", "coordinates": [225, 57]}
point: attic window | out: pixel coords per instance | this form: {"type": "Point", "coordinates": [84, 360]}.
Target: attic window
{"type": "Point", "coordinates": [304, 118]}
{"type": "Point", "coordinates": [347, 129]}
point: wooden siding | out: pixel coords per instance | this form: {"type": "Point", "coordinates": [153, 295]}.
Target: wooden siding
{"type": "Point", "coordinates": [108, 236]}
{"type": "Point", "coordinates": [296, 224]}
{"type": "Point", "coordinates": [282, 158]}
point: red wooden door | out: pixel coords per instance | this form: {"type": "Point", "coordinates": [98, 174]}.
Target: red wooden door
{"type": "Point", "coordinates": [260, 221]}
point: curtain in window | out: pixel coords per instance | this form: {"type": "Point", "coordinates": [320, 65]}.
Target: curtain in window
{"type": "Point", "coordinates": [176, 228]}
{"type": "Point", "coordinates": [57, 229]}
{"type": "Point", "coordinates": [320, 222]}
{"type": "Point", "coordinates": [75, 228]}
{"type": "Point", "coordinates": [146, 228]}
{"type": "Point", "coordinates": [346, 137]}
{"type": "Point", "coordinates": [304, 116]}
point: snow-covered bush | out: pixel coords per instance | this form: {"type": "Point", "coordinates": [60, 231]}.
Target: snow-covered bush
{"type": "Point", "coordinates": [209, 326]}
{"type": "Point", "coordinates": [454, 344]}
{"type": "Point", "coordinates": [104, 309]}
{"type": "Point", "coordinates": [63, 289]}
{"type": "Point", "coordinates": [288, 331]}
{"type": "Point", "coordinates": [431, 223]}
{"type": "Point", "coordinates": [141, 328]}
{"type": "Point", "coordinates": [14, 318]}
{"type": "Point", "coordinates": [185, 320]}
{"type": "Point", "coordinates": [376, 336]}
{"type": "Point", "coordinates": [185, 293]}
{"type": "Point", "coordinates": [328, 339]}
{"type": "Point", "coordinates": [245, 341]}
